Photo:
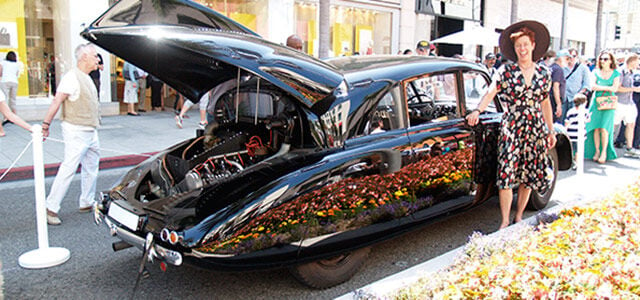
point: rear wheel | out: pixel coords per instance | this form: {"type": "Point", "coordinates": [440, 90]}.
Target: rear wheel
{"type": "Point", "coordinates": [329, 272]}
{"type": "Point", "coordinates": [539, 199]}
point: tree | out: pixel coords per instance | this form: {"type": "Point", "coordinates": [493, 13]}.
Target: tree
{"type": "Point", "coordinates": [324, 23]}
{"type": "Point", "coordinates": [514, 11]}
{"type": "Point", "coordinates": [598, 28]}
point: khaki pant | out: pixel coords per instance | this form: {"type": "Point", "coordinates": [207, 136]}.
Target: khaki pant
{"type": "Point", "coordinates": [10, 90]}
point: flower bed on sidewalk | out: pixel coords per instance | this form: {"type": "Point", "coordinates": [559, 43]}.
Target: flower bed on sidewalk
{"type": "Point", "coordinates": [583, 253]}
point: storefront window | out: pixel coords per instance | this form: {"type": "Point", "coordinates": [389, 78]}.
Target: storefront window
{"type": "Point", "coordinates": [352, 30]}
{"type": "Point", "coordinates": [250, 13]}
{"type": "Point", "coordinates": [26, 28]}
{"type": "Point", "coordinates": [40, 46]}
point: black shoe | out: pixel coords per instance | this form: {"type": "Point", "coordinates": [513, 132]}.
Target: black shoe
{"type": "Point", "coordinates": [142, 110]}
{"type": "Point", "coordinates": [5, 122]}
{"type": "Point", "coordinates": [132, 114]}
{"type": "Point", "coordinates": [617, 145]}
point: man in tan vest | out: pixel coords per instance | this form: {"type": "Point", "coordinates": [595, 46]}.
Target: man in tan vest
{"type": "Point", "coordinates": [79, 99]}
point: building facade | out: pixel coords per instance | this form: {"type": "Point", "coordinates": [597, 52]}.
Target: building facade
{"type": "Point", "coordinates": [44, 33]}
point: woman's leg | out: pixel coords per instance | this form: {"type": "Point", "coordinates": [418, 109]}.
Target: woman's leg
{"type": "Point", "coordinates": [596, 142]}
{"type": "Point", "coordinates": [628, 134]}
{"type": "Point", "coordinates": [604, 140]}
{"type": "Point", "coordinates": [506, 197]}
{"type": "Point", "coordinates": [523, 197]}
{"type": "Point", "coordinates": [131, 108]}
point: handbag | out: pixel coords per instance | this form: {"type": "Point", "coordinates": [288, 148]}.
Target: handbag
{"type": "Point", "coordinates": [607, 102]}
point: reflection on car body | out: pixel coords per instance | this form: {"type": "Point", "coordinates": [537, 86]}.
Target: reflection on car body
{"type": "Point", "coordinates": [291, 173]}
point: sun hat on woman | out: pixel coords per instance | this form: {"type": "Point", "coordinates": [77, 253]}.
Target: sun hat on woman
{"type": "Point", "coordinates": [540, 36]}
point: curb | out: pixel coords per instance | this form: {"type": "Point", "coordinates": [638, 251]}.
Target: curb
{"type": "Point", "coordinates": [26, 172]}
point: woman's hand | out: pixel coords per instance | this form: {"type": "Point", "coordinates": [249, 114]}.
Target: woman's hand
{"type": "Point", "coordinates": [551, 139]}
{"type": "Point", "coordinates": [473, 117]}
{"type": "Point", "coordinates": [558, 111]}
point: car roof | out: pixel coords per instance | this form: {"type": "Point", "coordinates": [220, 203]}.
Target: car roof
{"type": "Point", "coordinates": [397, 67]}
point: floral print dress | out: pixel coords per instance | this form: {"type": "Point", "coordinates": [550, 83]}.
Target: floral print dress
{"type": "Point", "coordinates": [522, 147]}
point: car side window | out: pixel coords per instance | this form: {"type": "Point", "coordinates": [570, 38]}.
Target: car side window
{"type": "Point", "coordinates": [475, 87]}
{"type": "Point", "coordinates": [389, 113]}
{"type": "Point", "coordinates": [431, 98]}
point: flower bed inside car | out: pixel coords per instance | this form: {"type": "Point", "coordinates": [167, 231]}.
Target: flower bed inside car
{"type": "Point", "coordinates": [589, 252]}
{"type": "Point", "coordinates": [354, 203]}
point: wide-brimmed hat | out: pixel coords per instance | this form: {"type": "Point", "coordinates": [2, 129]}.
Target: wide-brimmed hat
{"type": "Point", "coordinates": [542, 39]}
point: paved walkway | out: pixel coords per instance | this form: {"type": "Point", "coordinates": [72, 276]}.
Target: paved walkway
{"type": "Point", "coordinates": [124, 141]}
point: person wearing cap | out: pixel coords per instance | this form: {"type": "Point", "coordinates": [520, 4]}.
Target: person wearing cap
{"type": "Point", "coordinates": [578, 80]}
{"type": "Point", "coordinates": [558, 83]}
{"type": "Point", "coordinates": [489, 62]}
{"type": "Point", "coordinates": [425, 48]}
{"type": "Point", "coordinates": [527, 124]}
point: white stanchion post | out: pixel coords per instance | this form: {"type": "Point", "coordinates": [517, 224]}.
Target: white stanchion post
{"type": "Point", "coordinates": [581, 133]}
{"type": "Point", "coordinates": [44, 256]}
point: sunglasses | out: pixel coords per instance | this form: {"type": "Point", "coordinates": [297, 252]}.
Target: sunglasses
{"type": "Point", "coordinates": [604, 58]}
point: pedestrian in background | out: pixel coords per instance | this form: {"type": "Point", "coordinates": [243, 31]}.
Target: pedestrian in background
{"type": "Point", "coordinates": [51, 74]}
{"type": "Point", "coordinates": [9, 115]}
{"type": "Point", "coordinates": [558, 83]}
{"type": "Point", "coordinates": [571, 122]}
{"type": "Point", "coordinates": [527, 125]}
{"type": "Point", "coordinates": [295, 42]}
{"type": "Point", "coordinates": [489, 62]}
{"type": "Point", "coordinates": [79, 100]}
{"type": "Point", "coordinates": [499, 61]}
{"type": "Point", "coordinates": [425, 48]}
{"type": "Point", "coordinates": [131, 75]}
{"type": "Point", "coordinates": [157, 99]}
{"type": "Point", "coordinates": [202, 106]}
{"type": "Point", "coordinates": [636, 100]}
{"type": "Point", "coordinates": [548, 59]}
{"type": "Point", "coordinates": [9, 73]}
{"type": "Point", "coordinates": [578, 80]}
{"type": "Point", "coordinates": [626, 112]}
{"type": "Point", "coordinates": [216, 93]}
{"type": "Point", "coordinates": [142, 91]}
{"type": "Point", "coordinates": [606, 81]}
{"type": "Point", "coordinates": [95, 74]}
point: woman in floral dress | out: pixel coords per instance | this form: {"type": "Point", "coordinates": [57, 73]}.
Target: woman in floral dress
{"type": "Point", "coordinates": [599, 141]}
{"type": "Point", "coordinates": [527, 125]}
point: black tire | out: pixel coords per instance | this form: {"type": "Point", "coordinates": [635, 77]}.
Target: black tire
{"type": "Point", "coordinates": [539, 199]}
{"type": "Point", "coordinates": [329, 272]}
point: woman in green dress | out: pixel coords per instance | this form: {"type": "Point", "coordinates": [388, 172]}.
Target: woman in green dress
{"type": "Point", "coordinates": [599, 141]}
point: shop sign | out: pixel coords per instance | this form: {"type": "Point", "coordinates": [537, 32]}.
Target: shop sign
{"type": "Point", "coordinates": [8, 35]}
{"type": "Point", "coordinates": [461, 9]}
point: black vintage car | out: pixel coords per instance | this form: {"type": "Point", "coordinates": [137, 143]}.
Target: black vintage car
{"type": "Point", "coordinates": [309, 162]}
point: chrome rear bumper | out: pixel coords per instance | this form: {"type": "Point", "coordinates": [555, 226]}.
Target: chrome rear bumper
{"type": "Point", "coordinates": [157, 251]}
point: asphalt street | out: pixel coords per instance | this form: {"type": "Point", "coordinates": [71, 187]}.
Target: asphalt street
{"type": "Point", "coordinates": [95, 271]}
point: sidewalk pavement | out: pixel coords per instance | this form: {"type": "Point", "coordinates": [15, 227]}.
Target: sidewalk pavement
{"type": "Point", "coordinates": [124, 141]}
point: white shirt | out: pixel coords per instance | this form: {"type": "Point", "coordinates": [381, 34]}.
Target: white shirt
{"type": "Point", "coordinates": [3, 97]}
{"type": "Point", "coordinates": [10, 71]}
